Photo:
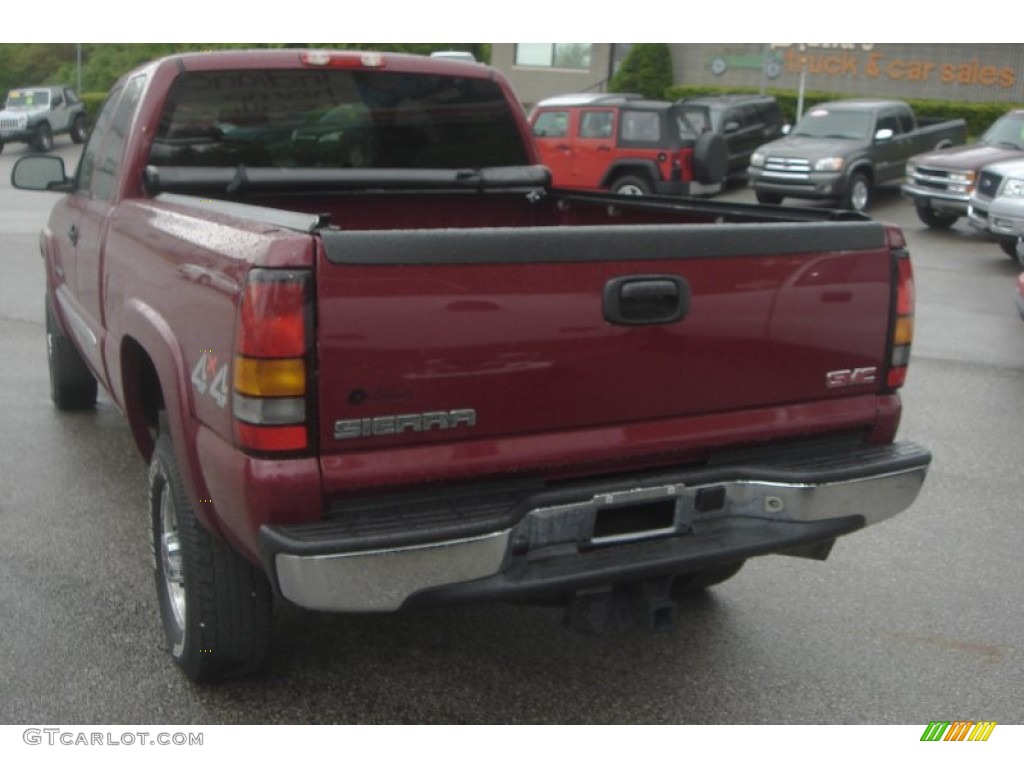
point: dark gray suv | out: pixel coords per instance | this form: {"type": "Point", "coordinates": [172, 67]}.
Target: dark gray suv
{"type": "Point", "coordinates": [746, 122]}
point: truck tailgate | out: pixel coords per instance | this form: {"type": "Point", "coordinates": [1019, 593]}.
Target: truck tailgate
{"type": "Point", "coordinates": [469, 337]}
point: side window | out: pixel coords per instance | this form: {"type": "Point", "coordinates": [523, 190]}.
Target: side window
{"type": "Point", "coordinates": [87, 165]}
{"type": "Point", "coordinates": [553, 125]}
{"type": "Point", "coordinates": [597, 125]}
{"type": "Point", "coordinates": [58, 100]}
{"type": "Point", "coordinates": [750, 117]}
{"type": "Point", "coordinates": [770, 114]}
{"type": "Point", "coordinates": [641, 126]}
{"type": "Point", "coordinates": [906, 122]}
{"type": "Point", "coordinates": [887, 121]}
{"type": "Point", "coordinates": [109, 158]}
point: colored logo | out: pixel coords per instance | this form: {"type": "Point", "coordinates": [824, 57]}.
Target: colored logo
{"type": "Point", "coordinates": [958, 730]}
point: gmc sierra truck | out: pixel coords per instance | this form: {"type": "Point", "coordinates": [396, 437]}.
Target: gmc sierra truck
{"type": "Point", "coordinates": [842, 150]}
{"type": "Point", "coordinates": [374, 361]}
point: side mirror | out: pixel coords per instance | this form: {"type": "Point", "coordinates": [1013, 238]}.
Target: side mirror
{"type": "Point", "coordinates": [40, 173]}
{"type": "Point", "coordinates": [786, 129]}
{"type": "Point", "coordinates": [884, 134]}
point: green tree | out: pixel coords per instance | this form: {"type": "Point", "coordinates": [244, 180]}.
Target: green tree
{"type": "Point", "coordinates": [647, 70]}
{"type": "Point", "coordinates": [23, 64]}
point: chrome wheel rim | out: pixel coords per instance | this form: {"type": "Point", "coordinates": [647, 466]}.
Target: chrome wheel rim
{"type": "Point", "coordinates": [859, 196]}
{"type": "Point", "coordinates": [171, 559]}
{"type": "Point", "coordinates": [630, 189]}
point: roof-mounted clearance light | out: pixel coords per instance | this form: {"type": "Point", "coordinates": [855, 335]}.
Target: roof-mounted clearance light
{"type": "Point", "coordinates": [342, 60]}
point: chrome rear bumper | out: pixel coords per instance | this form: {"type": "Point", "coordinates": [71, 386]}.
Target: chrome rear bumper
{"type": "Point", "coordinates": [579, 538]}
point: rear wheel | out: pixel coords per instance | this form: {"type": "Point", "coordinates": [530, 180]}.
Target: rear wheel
{"type": "Point", "coordinates": [1009, 248]}
{"type": "Point", "coordinates": [935, 219]}
{"type": "Point", "coordinates": [72, 385]}
{"type": "Point", "coordinates": [631, 185]}
{"type": "Point", "coordinates": [215, 606]}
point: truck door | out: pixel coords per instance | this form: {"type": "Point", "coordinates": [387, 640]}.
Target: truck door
{"type": "Point", "coordinates": [891, 152]}
{"type": "Point", "coordinates": [592, 147]}
{"type": "Point", "coordinates": [551, 134]}
{"type": "Point", "coordinates": [58, 117]}
{"type": "Point", "coordinates": [90, 206]}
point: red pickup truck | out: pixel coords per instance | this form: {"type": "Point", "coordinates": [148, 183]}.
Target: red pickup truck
{"type": "Point", "coordinates": [374, 361]}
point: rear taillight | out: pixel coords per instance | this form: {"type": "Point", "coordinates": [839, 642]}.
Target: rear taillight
{"type": "Point", "coordinates": [271, 397]}
{"type": "Point", "coordinates": [682, 165]}
{"type": "Point", "coordinates": [902, 333]}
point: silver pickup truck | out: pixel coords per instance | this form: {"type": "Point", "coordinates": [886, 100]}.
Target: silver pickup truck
{"type": "Point", "coordinates": [842, 150]}
{"type": "Point", "coordinates": [997, 205]}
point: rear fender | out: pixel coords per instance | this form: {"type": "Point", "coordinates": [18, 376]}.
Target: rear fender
{"type": "Point", "coordinates": [150, 355]}
{"type": "Point", "coordinates": [631, 167]}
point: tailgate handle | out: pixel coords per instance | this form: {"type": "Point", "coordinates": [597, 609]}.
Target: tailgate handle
{"type": "Point", "coordinates": [646, 300]}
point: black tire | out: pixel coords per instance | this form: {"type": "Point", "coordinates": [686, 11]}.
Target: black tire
{"type": "Point", "coordinates": [631, 185]}
{"type": "Point", "coordinates": [692, 582]}
{"type": "Point", "coordinates": [710, 158]}
{"type": "Point", "coordinates": [78, 129]}
{"type": "Point", "coordinates": [43, 139]}
{"type": "Point", "coordinates": [935, 219]}
{"type": "Point", "coordinates": [858, 192]}
{"type": "Point", "coordinates": [1, 146]}
{"type": "Point", "coordinates": [215, 606]}
{"type": "Point", "coordinates": [1009, 247]}
{"type": "Point", "coordinates": [768, 198]}
{"type": "Point", "coordinates": [72, 385]}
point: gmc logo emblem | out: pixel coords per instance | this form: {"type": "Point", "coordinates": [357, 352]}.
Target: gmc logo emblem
{"type": "Point", "coordinates": [851, 377]}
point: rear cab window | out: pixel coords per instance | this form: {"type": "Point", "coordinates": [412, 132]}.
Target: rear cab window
{"type": "Point", "coordinates": [336, 119]}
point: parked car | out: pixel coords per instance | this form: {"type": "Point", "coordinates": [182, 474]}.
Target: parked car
{"type": "Point", "coordinates": [35, 115]}
{"type": "Point", "coordinates": [746, 122]}
{"type": "Point", "coordinates": [625, 144]}
{"type": "Point", "coordinates": [842, 150]}
{"type": "Point", "coordinates": [997, 204]}
{"type": "Point", "coordinates": [940, 183]}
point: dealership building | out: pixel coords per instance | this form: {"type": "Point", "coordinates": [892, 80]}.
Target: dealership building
{"type": "Point", "coordinates": [976, 72]}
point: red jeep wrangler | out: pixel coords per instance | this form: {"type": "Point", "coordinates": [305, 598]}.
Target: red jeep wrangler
{"type": "Point", "coordinates": [629, 145]}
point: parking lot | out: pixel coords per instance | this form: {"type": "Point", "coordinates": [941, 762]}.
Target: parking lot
{"type": "Point", "coordinates": [909, 621]}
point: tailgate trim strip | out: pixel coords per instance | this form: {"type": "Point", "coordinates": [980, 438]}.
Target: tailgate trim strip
{"type": "Point", "coordinates": [620, 243]}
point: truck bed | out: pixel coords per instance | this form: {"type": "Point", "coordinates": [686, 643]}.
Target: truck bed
{"type": "Point", "coordinates": [499, 304]}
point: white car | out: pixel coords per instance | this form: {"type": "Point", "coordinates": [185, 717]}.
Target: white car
{"type": "Point", "coordinates": [997, 204]}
